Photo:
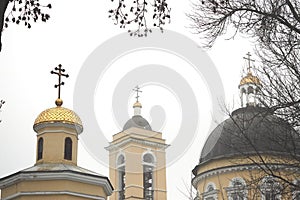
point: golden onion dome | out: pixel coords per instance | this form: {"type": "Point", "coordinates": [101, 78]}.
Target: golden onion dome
{"type": "Point", "coordinates": [137, 104]}
{"type": "Point", "coordinates": [250, 79]}
{"type": "Point", "coordinates": [59, 114]}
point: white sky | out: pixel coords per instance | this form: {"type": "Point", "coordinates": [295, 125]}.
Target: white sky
{"type": "Point", "coordinates": [74, 30]}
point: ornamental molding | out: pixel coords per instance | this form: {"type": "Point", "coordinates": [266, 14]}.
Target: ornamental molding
{"type": "Point", "coordinates": [42, 125]}
{"type": "Point", "coordinates": [117, 146]}
{"type": "Point", "coordinates": [61, 175]}
{"type": "Point", "coordinates": [237, 168]}
{"type": "Point", "coordinates": [20, 194]}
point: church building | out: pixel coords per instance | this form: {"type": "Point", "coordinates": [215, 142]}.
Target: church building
{"type": "Point", "coordinates": [252, 155]}
{"type": "Point", "coordinates": [55, 175]}
{"type": "Point", "coordinates": [137, 160]}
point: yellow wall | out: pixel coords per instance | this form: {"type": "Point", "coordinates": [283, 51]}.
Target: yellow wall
{"type": "Point", "coordinates": [133, 164]}
{"type": "Point", "coordinates": [252, 177]}
{"type": "Point", "coordinates": [53, 185]}
{"type": "Point", "coordinates": [54, 144]}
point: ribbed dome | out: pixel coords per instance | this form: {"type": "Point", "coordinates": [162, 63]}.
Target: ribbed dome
{"type": "Point", "coordinates": [58, 114]}
{"type": "Point", "coordinates": [249, 130]}
{"type": "Point", "coordinates": [250, 79]}
{"type": "Point", "coordinates": [137, 121]}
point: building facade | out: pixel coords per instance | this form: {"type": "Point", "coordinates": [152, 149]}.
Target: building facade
{"type": "Point", "coordinates": [251, 155]}
{"type": "Point", "coordinates": [55, 175]}
{"type": "Point", "coordinates": [137, 161]}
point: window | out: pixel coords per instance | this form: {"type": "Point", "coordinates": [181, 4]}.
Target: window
{"type": "Point", "coordinates": [40, 148]}
{"type": "Point", "coordinates": [121, 176]}
{"type": "Point", "coordinates": [68, 149]}
{"type": "Point", "coordinates": [237, 189]}
{"type": "Point", "coordinates": [148, 166]}
{"type": "Point", "coordinates": [211, 193]}
{"type": "Point", "coordinates": [296, 190]}
{"type": "Point", "coordinates": [270, 189]}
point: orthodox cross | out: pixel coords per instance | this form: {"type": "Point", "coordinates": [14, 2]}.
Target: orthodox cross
{"type": "Point", "coordinates": [59, 71]}
{"type": "Point", "coordinates": [137, 90]}
{"type": "Point", "coordinates": [249, 61]}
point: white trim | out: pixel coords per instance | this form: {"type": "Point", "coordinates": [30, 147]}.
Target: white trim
{"type": "Point", "coordinates": [136, 140]}
{"type": "Point", "coordinates": [118, 155]}
{"type": "Point", "coordinates": [296, 192]}
{"type": "Point", "coordinates": [71, 176]}
{"type": "Point", "coordinates": [264, 187]}
{"type": "Point", "coordinates": [19, 194]}
{"type": "Point", "coordinates": [210, 194]}
{"type": "Point", "coordinates": [153, 164]}
{"type": "Point", "coordinates": [227, 169]}
{"type": "Point", "coordinates": [234, 189]}
{"type": "Point", "coordinates": [56, 131]}
{"type": "Point", "coordinates": [78, 128]}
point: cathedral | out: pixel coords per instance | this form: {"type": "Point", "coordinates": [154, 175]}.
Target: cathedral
{"type": "Point", "coordinates": [251, 155]}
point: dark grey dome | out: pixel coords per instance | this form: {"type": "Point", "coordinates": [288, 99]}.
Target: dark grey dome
{"type": "Point", "coordinates": [250, 130]}
{"type": "Point", "coordinates": [137, 121]}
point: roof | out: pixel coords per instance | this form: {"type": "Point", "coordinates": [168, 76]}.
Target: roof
{"type": "Point", "coordinates": [248, 131]}
{"type": "Point", "coordinates": [250, 79]}
{"type": "Point", "coordinates": [58, 114]}
{"type": "Point", "coordinates": [139, 122]}
{"type": "Point", "coordinates": [55, 172]}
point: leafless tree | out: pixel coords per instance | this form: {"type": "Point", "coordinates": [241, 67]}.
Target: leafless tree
{"type": "Point", "coordinates": [21, 12]}
{"type": "Point", "coordinates": [136, 12]}
{"type": "Point", "coordinates": [274, 25]}
{"type": "Point", "coordinates": [1, 104]}
{"type": "Point", "coordinates": [255, 137]}
{"type": "Point", "coordinates": [139, 12]}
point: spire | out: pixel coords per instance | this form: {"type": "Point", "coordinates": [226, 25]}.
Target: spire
{"type": "Point", "coordinates": [59, 71]}
{"type": "Point", "coordinates": [137, 106]}
{"type": "Point", "coordinates": [249, 85]}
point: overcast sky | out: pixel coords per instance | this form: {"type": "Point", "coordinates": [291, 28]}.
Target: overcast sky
{"type": "Point", "coordinates": [73, 32]}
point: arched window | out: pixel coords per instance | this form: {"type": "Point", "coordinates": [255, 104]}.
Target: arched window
{"type": "Point", "coordinates": [148, 165]}
{"type": "Point", "coordinates": [40, 148]}
{"type": "Point", "coordinates": [68, 149]}
{"type": "Point", "coordinates": [121, 176]}
{"type": "Point", "coordinates": [296, 190]}
{"type": "Point", "coordinates": [270, 189]}
{"type": "Point", "coordinates": [237, 189]}
{"type": "Point", "coordinates": [211, 193]}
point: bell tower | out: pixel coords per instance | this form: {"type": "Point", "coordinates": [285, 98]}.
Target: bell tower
{"type": "Point", "coordinates": [137, 160]}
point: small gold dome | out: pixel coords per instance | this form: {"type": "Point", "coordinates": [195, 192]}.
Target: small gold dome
{"type": "Point", "coordinates": [58, 114]}
{"type": "Point", "coordinates": [250, 79]}
{"type": "Point", "coordinates": [137, 104]}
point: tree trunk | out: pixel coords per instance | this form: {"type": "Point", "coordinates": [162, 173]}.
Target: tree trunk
{"type": "Point", "coordinates": [3, 6]}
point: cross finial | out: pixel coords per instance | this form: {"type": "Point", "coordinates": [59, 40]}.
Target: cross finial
{"type": "Point", "coordinates": [59, 71]}
{"type": "Point", "coordinates": [249, 61]}
{"type": "Point", "coordinates": [137, 90]}
{"type": "Point", "coordinates": [1, 104]}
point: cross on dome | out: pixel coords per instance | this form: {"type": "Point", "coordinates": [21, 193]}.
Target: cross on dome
{"type": "Point", "coordinates": [249, 61]}
{"type": "Point", "coordinates": [137, 90]}
{"type": "Point", "coordinates": [59, 71]}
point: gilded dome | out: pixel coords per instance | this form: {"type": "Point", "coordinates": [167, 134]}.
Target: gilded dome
{"type": "Point", "coordinates": [250, 79]}
{"type": "Point", "coordinates": [137, 104]}
{"type": "Point", "coordinates": [59, 114]}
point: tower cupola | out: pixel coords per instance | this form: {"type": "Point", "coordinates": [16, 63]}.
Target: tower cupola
{"type": "Point", "coordinates": [249, 86]}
